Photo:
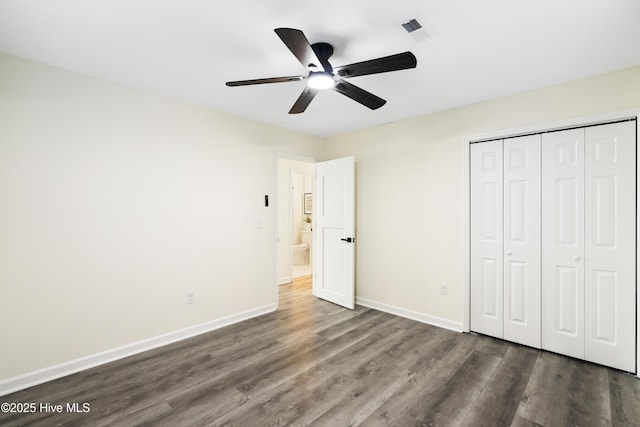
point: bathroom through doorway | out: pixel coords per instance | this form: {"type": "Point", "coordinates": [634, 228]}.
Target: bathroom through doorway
{"type": "Point", "coordinates": [295, 218]}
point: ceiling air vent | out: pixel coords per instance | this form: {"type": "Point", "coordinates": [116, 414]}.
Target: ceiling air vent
{"type": "Point", "coordinates": [415, 30]}
{"type": "Point", "coordinates": [411, 26]}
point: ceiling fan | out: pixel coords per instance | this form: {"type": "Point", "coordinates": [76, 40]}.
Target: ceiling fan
{"type": "Point", "coordinates": [323, 76]}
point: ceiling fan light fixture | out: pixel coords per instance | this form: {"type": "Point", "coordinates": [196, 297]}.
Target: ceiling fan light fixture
{"type": "Point", "coordinates": [327, 77]}
{"type": "Point", "coordinates": [320, 80]}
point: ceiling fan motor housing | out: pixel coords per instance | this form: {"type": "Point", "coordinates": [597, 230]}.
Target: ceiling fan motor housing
{"type": "Point", "coordinates": [323, 51]}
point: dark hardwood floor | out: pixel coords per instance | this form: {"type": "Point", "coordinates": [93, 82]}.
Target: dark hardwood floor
{"type": "Point", "coordinates": [314, 363]}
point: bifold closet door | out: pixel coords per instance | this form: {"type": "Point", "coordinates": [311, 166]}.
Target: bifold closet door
{"type": "Point", "coordinates": [486, 238]}
{"type": "Point", "coordinates": [610, 217]}
{"type": "Point", "coordinates": [588, 243]}
{"type": "Point", "coordinates": [521, 275]}
{"type": "Point", "coordinates": [505, 239]}
{"type": "Point", "coordinates": [563, 242]}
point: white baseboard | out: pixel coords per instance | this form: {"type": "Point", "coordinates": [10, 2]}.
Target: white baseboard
{"type": "Point", "coordinates": [284, 280]}
{"type": "Point", "coordinates": [413, 315]}
{"type": "Point", "coordinates": [30, 379]}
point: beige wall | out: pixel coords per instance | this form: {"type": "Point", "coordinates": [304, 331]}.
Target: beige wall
{"type": "Point", "coordinates": [114, 202]}
{"type": "Point", "coordinates": [410, 207]}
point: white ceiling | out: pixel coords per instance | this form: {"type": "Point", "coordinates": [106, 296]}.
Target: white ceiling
{"type": "Point", "coordinates": [188, 49]}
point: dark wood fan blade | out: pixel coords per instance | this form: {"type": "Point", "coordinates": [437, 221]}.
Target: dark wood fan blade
{"type": "Point", "coordinates": [298, 44]}
{"type": "Point", "coordinates": [303, 100]}
{"type": "Point", "coordinates": [359, 95]}
{"type": "Point", "coordinates": [399, 61]}
{"type": "Point", "coordinates": [263, 81]}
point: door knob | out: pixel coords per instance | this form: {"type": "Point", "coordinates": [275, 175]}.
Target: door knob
{"type": "Point", "coordinates": [349, 239]}
{"type": "Point", "coordinates": [576, 258]}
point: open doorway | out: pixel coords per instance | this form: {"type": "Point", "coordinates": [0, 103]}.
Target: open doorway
{"type": "Point", "coordinates": [295, 216]}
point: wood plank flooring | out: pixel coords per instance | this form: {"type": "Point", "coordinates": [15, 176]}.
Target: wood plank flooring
{"type": "Point", "coordinates": [314, 363]}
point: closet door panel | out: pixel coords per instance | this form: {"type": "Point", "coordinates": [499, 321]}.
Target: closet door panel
{"type": "Point", "coordinates": [486, 238]}
{"type": "Point", "coordinates": [563, 242]}
{"type": "Point", "coordinates": [522, 240]}
{"type": "Point", "coordinates": [610, 288]}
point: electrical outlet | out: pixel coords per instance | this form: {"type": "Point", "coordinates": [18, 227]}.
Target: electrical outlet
{"type": "Point", "coordinates": [444, 289]}
{"type": "Point", "coordinates": [191, 297]}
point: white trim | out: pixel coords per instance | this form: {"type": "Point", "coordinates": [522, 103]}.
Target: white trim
{"type": "Point", "coordinates": [40, 376]}
{"type": "Point", "coordinates": [466, 236]}
{"type": "Point", "coordinates": [410, 314]}
{"type": "Point", "coordinates": [296, 157]}
{"type": "Point", "coordinates": [284, 280]}
{"type": "Point", "coordinates": [637, 246]}
{"type": "Point", "coordinates": [633, 113]}
{"type": "Point", "coordinates": [593, 119]}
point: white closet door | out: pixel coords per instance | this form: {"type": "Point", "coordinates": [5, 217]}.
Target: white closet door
{"type": "Point", "coordinates": [486, 238]}
{"type": "Point", "coordinates": [563, 242]}
{"type": "Point", "coordinates": [610, 152]}
{"type": "Point", "coordinates": [522, 240]}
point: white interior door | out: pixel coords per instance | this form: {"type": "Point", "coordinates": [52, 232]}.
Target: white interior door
{"type": "Point", "coordinates": [610, 152]}
{"type": "Point", "coordinates": [486, 238]}
{"type": "Point", "coordinates": [563, 242]}
{"type": "Point", "coordinates": [334, 232]}
{"type": "Point", "coordinates": [522, 240]}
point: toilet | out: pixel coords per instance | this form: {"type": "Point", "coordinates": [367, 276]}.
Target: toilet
{"type": "Point", "coordinates": [302, 251]}
{"type": "Point", "coordinates": [300, 254]}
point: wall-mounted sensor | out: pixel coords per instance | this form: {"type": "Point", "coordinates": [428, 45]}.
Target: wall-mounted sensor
{"type": "Point", "coordinates": [266, 200]}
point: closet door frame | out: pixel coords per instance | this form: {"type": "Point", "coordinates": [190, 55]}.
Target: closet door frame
{"type": "Point", "coordinates": [590, 120]}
